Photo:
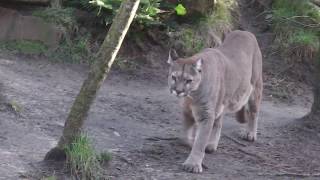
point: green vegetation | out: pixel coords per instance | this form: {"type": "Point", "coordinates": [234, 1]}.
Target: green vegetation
{"type": "Point", "coordinates": [222, 13]}
{"type": "Point", "coordinates": [220, 20]}
{"type": "Point", "coordinates": [148, 12]}
{"type": "Point", "coordinates": [70, 50]}
{"type": "Point", "coordinates": [194, 33]}
{"type": "Point", "coordinates": [126, 64]}
{"type": "Point", "coordinates": [24, 47]}
{"type": "Point", "coordinates": [83, 160]}
{"type": "Point", "coordinates": [15, 106]}
{"type": "Point", "coordinates": [307, 38]}
{"type": "Point", "coordinates": [49, 178]}
{"type": "Point", "coordinates": [191, 40]}
{"type": "Point", "coordinates": [297, 25]}
{"type": "Point", "coordinates": [59, 16]}
{"type": "Point", "coordinates": [104, 157]}
{"type": "Point", "coordinates": [77, 51]}
{"type": "Point", "coordinates": [207, 31]}
{"type": "Point", "coordinates": [180, 10]}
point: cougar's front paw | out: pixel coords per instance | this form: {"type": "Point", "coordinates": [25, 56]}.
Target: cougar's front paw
{"type": "Point", "coordinates": [192, 167]}
{"type": "Point", "coordinates": [249, 136]}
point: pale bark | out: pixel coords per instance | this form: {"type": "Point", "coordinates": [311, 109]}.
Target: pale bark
{"type": "Point", "coordinates": [96, 76]}
{"type": "Point", "coordinates": [56, 3]}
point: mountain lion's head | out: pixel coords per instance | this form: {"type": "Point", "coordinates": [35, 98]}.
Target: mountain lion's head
{"type": "Point", "coordinates": [184, 74]}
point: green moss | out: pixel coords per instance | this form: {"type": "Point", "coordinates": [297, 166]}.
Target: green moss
{"type": "Point", "coordinates": [25, 47]}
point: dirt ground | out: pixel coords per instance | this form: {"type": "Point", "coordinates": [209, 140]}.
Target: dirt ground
{"type": "Point", "coordinates": [137, 119]}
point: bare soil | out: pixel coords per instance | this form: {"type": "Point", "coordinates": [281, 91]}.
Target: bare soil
{"type": "Point", "coordinates": [136, 119]}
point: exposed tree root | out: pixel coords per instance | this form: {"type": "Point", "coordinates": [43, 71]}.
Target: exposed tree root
{"type": "Point", "coordinates": [56, 154]}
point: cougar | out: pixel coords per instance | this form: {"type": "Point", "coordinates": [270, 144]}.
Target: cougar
{"type": "Point", "coordinates": [213, 82]}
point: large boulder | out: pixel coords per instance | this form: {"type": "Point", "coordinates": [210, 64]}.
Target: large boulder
{"type": "Point", "coordinates": [14, 26]}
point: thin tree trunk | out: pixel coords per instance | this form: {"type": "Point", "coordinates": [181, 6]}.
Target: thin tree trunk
{"type": "Point", "coordinates": [96, 76]}
{"type": "Point", "coordinates": [56, 3]}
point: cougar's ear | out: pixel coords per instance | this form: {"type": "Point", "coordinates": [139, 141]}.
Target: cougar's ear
{"type": "Point", "coordinates": [198, 65]}
{"type": "Point", "coordinates": [172, 56]}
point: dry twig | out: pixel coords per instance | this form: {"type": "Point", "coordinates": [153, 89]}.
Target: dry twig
{"type": "Point", "coordinates": [235, 140]}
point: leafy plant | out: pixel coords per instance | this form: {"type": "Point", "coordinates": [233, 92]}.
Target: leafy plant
{"type": "Point", "coordinates": [180, 10]}
{"type": "Point", "coordinates": [147, 12]}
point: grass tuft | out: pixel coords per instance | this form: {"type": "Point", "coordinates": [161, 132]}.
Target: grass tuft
{"type": "Point", "coordinates": [307, 38]}
{"type": "Point", "coordinates": [83, 160]}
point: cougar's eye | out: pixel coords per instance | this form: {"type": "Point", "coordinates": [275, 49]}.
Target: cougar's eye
{"type": "Point", "coordinates": [188, 81]}
{"type": "Point", "coordinates": [174, 78]}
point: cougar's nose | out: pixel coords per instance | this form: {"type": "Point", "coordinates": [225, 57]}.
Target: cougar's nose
{"type": "Point", "coordinates": [180, 93]}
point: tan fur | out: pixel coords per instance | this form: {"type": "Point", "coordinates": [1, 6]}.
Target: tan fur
{"type": "Point", "coordinates": [227, 79]}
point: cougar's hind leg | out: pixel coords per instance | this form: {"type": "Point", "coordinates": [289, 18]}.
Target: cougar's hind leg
{"type": "Point", "coordinates": [189, 125]}
{"type": "Point", "coordinates": [251, 115]}
{"type": "Point", "coordinates": [215, 136]}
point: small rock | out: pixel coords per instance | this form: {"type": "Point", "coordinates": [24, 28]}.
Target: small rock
{"type": "Point", "coordinates": [116, 133]}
